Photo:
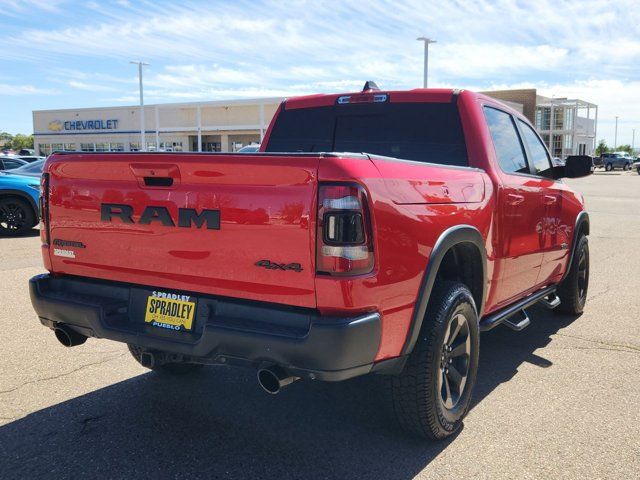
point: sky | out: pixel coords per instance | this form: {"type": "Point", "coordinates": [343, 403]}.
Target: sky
{"type": "Point", "coordinates": [70, 54]}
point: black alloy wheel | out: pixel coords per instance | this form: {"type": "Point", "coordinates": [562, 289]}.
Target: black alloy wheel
{"type": "Point", "coordinates": [454, 361]}
{"type": "Point", "coordinates": [16, 217]}
{"type": "Point", "coordinates": [574, 288]}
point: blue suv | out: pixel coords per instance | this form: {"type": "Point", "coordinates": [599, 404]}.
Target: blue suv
{"type": "Point", "coordinates": [19, 193]}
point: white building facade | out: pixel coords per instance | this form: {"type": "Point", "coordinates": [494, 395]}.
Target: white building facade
{"type": "Point", "coordinates": [218, 126]}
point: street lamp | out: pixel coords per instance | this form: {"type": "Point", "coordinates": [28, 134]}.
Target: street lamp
{"type": "Point", "coordinates": [615, 137]}
{"type": "Point", "coordinates": [143, 143]}
{"type": "Point", "coordinates": [426, 41]}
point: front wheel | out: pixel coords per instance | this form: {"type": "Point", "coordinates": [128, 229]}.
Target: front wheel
{"type": "Point", "coordinates": [16, 217]}
{"type": "Point", "coordinates": [638, 170]}
{"type": "Point", "coordinates": [573, 289]}
{"type": "Point", "coordinates": [625, 167]}
{"type": "Point", "coordinates": [608, 167]}
{"type": "Point", "coordinates": [432, 394]}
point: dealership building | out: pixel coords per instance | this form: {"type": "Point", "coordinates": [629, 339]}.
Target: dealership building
{"type": "Point", "coordinates": [219, 126]}
{"type": "Point", "coordinates": [568, 126]}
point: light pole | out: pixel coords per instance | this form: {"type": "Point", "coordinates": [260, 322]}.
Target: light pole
{"type": "Point", "coordinates": [615, 137]}
{"type": "Point", "coordinates": [426, 41]}
{"type": "Point", "coordinates": [143, 143]}
{"type": "Point", "coordinates": [633, 141]}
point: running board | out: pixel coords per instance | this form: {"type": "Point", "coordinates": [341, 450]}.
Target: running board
{"type": "Point", "coordinates": [523, 322]}
{"type": "Point", "coordinates": [551, 301]}
{"type": "Point", "coordinates": [495, 319]}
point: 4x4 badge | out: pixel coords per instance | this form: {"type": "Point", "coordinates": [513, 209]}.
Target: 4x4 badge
{"type": "Point", "coordinates": [269, 265]}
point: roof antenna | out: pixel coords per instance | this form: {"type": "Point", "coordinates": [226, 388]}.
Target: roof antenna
{"type": "Point", "coordinates": [370, 85]}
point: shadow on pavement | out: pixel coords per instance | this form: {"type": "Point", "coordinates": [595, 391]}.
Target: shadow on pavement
{"type": "Point", "coordinates": [34, 232]}
{"type": "Point", "coordinates": [219, 424]}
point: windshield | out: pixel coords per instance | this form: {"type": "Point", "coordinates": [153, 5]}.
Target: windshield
{"type": "Point", "coordinates": [34, 168]}
{"type": "Point", "coordinates": [424, 132]}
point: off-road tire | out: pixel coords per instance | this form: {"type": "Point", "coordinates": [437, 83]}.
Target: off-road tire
{"type": "Point", "coordinates": [414, 393]}
{"type": "Point", "coordinates": [16, 217]}
{"type": "Point", "coordinates": [573, 289]}
{"type": "Point", "coordinates": [166, 368]}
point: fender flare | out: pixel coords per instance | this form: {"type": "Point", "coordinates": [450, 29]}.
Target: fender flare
{"type": "Point", "coordinates": [449, 238]}
{"type": "Point", "coordinates": [582, 225]}
{"type": "Point", "coordinates": [24, 196]}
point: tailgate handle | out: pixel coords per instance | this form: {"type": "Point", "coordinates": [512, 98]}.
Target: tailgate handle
{"type": "Point", "coordinates": [156, 175]}
{"type": "Point", "coordinates": [158, 181]}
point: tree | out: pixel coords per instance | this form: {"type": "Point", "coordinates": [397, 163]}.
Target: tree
{"type": "Point", "coordinates": [5, 139]}
{"type": "Point", "coordinates": [625, 148]}
{"type": "Point", "coordinates": [21, 141]}
{"type": "Point", "coordinates": [601, 148]}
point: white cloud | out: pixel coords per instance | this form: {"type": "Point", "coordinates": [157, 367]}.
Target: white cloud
{"type": "Point", "coordinates": [8, 89]}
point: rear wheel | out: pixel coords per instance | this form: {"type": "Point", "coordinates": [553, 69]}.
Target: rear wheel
{"type": "Point", "coordinates": [433, 393]}
{"type": "Point", "coordinates": [608, 167]}
{"type": "Point", "coordinates": [16, 217]}
{"type": "Point", "coordinates": [168, 368]}
{"type": "Point", "coordinates": [638, 170]}
{"type": "Point", "coordinates": [573, 289]}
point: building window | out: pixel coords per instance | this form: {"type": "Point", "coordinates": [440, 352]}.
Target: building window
{"type": "Point", "coordinates": [568, 118]}
{"type": "Point", "coordinates": [116, 147]}
{"type": "Point", "coordinates": [45, 149]}
{"type": "Point", "coordinates": [57, 147]}
{"type": "Point", "coordinates": [102, 147]}
{"type": "Point", "coordinates": [543, 118]}
{"type": "Point", "coordinates": [556, 149]}
{"type": "Point", "coordinates": [134, 147]}
{"type": "Point", "coordinates": [88, 147]}
{"type": "Point", "coordinates": [170, 146]}
{"type": "Point", "coordinates": [69, 147]}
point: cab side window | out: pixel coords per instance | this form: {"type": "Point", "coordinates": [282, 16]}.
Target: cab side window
{"type": "Point", "coordinates": [506, 141]}
{"type": "Point", "coordinates": [539, 157]}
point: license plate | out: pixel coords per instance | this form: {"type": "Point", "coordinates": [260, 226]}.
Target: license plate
{"type": "Point", "coordinates": [170, 311]}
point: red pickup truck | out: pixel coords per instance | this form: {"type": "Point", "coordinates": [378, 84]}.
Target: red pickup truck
{"type": "Point", "coordinates": [306, 261]}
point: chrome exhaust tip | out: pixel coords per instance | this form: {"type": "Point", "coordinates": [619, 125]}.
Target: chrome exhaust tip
{"type": "Point", "coordinates": [68, 337]}
{"type": "Point", "coordinates": [273, 379]}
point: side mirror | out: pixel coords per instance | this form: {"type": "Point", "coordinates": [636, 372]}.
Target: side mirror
{"type": "Point", "coordinates": [576, 166]}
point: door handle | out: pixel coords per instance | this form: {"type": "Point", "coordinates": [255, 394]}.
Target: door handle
{"type": "Point", "coordinates": [514, 199]}
{"type": "Point", "coordinates": [550, 199]}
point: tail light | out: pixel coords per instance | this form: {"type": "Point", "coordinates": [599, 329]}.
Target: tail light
{"type": "Point", "coordinates": [344, 240]}
{"type": "Point", "coordinates": [44, 207]}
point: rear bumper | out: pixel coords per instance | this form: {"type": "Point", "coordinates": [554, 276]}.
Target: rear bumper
{"type": "Point", "coordinates": [226, 331]}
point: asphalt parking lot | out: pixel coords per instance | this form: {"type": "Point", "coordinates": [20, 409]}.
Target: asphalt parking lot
{"type": "Point", "coordinates": [559, 400]}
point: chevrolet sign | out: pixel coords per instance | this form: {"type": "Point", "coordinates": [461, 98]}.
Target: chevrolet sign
{"type": "Point", "coordinates": [71, 125]}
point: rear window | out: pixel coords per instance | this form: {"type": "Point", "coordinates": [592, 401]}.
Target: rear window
{"type": "Point", "coordinates": [424, 132]}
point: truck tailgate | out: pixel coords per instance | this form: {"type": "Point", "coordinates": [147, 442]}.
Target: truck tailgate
{"type": "Point", "coordinates": [236, 225]}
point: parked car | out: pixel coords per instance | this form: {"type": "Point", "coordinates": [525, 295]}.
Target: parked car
{"type": "Point", "coordinates": [11, 162]}
{"type": "Point", "coordinates": [615, 160]}
{"type": "Point", "coordinates": [636, 165]}
{"type": "Point", "coordinates": [31, 158]}
{"type": "Point", "coordinates": [18, 203]}
{"type": "Point", "coordinates": [336, 264]}
{"type": "Point", "coordinates": [253, 148]}
{"type": "Point", "coordinates": [29, 152]}
{"type": "Point", "coordinates": [33, 169]}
